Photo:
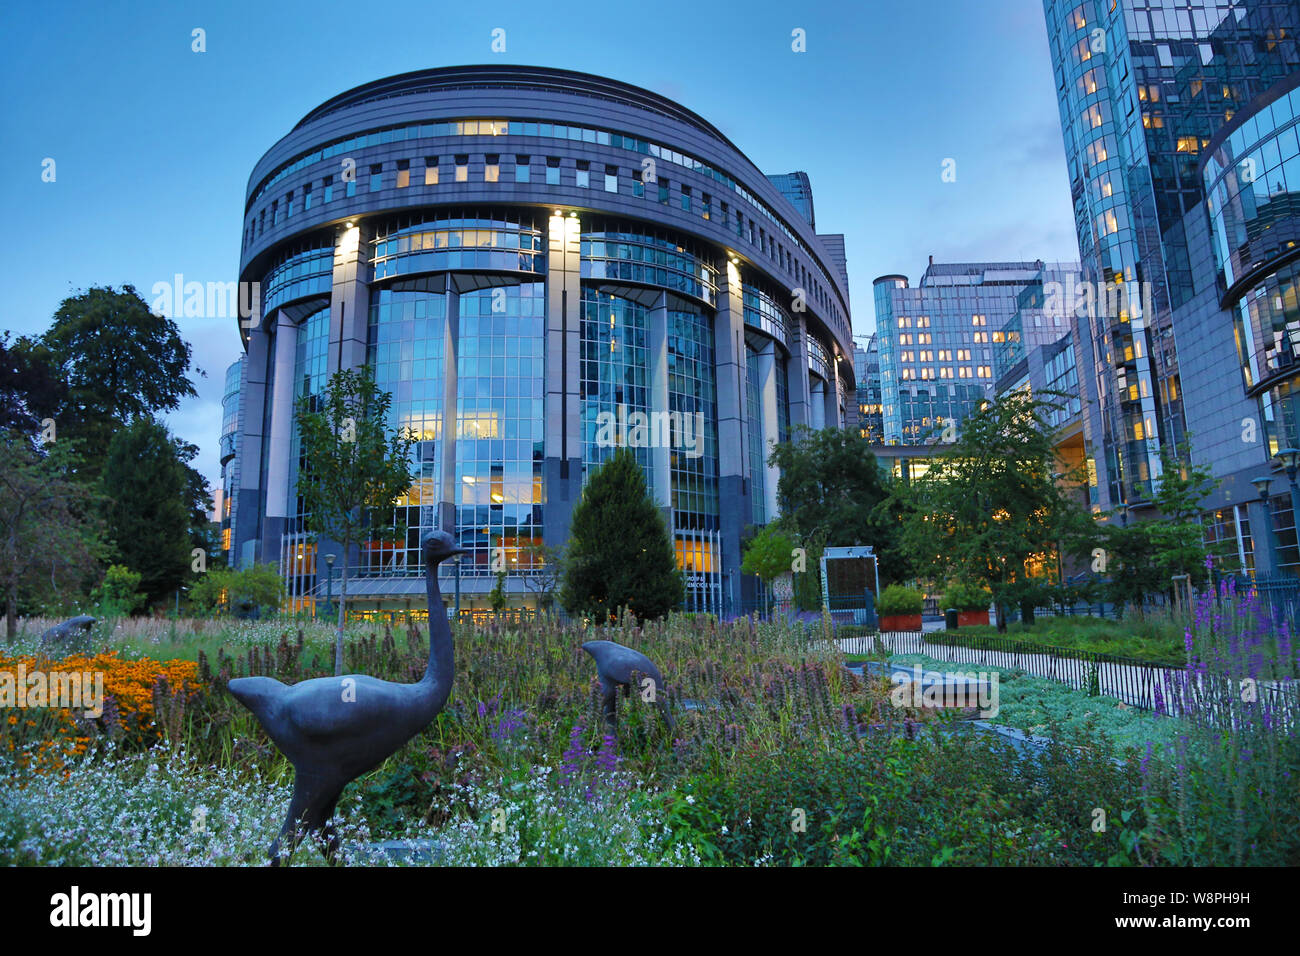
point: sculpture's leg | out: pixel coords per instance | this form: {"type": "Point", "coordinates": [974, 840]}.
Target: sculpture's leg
{"type": "Point", "coordinates": [666, 714]}
{"type": "Point", "coordinates": [609, 702]}
{"type": "Point", "coordinates": [291, 830]}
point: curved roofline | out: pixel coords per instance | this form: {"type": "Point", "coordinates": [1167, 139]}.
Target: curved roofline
{"type": "Point", "coordinates": [569, 81]}
{"type": "Point", "coordinates": [879, 279]}
{"type": "Point", "coordinates": [1245, 114]}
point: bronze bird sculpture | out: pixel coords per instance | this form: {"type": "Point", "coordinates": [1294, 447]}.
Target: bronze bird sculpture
{"type": "Point", "coordinates": [334, 729]}
{"type": "Point", "coordinates": [616, 666]}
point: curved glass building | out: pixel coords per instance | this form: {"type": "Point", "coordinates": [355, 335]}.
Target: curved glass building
{"type": "Point", "coordinates": [539, 265]}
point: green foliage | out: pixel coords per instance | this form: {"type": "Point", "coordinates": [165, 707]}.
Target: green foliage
{"type": "Point", "coordinates": [769, 554]}
{"type": "Point", "coordinates": [832, 489]}
{"type": "Point", "coordinates": [30, 387]}
{"type": "Point", "coordinates": [144, 483]}
{"type": "Point", "coordinates": [50, 537]}
{"type": "Point", "coordinates": [620, 550]}
{"type": "Point", "coordinates": [229, 591]}
{"type": "Point", "coordinates": [966, 597]}
{"type": "Point", "coordinates": [120, 362]}
{"type": "Point", "coordinates": [897, 599]}
{"type": "Point", "coordinates": [497, 597]}
{"type": "Point", "coordinates": [354, 470]}
{"type": "Point", "coordinates": [992, 502]}
{"type": "Point", "coordinates": [116, 595]}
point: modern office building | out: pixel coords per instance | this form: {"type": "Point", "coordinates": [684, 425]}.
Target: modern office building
{"type": "Point", "coordinates": [1251, 170]}
{"type": "Point", "coordinates": [1145, 89]}
{"type": "Point", "coordinates": [937, 341]}
{"type": "Point", "coordinates": [524, 256]}
{"type": "Point", "coordinates": [870, 420]}
{"type": "Point", "coordinates": [228, 446]}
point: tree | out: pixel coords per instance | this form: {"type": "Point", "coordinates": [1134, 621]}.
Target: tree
{"type": "Point", "coordinates": [497, 597]}
{"type": "Point", "coordinates": [119, 362]}
{"type": "Point", "coordinates": [353, 469]}
{"type": "Point", "coordinates": [769, 554]}
{"type": "Point", "coordinates": [49, 536]}
{"type": "Point", "coordinates": [831, 485]}
{"type": "Point", "coordinates": [30, 388]}
{"type": "Point", "coordinates": [117, 594]}
{"type": "Point", "coordinates": [547, 564]}
{"type": "Point", "coordinates": [620, 550]}
{"type": "Point", "coordinates": [991, 510]}
{"type": "Point", "coordinates": [147, 513]}
{"type": "Point", "coordinates": [257, 587]}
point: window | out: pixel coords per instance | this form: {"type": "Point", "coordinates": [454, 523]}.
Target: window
{"type": "Point", "coordinates": [945, 355]}
{"type": "Point", "coordinates": [288, 204]}
{"type": "Point", "coordinates": [275, 212]}
{"type": "Point", "coordinates": [979, 320]}
{"type": "Point", "coordinates": [403, 173]}
{"type": "Point", "coordinates": [611, 179]}
{"type": "Point", "coordinates": [964, 372]}
{"type": "Point", "coordinates": [552, 170]}
{"type": "Point", "coordinates": [327, 185]}
{"type": "Point", "coordinates": [963, 355]}
{"type": "Point", "coordinates": [922, 321]}
{"type": "Point", "coordinates": [686, 198]}
{"type": "Point", "coordinates": [984, 371]}
{"type": "Point", "coordinates": [376, 177]}
{"type": "Point", "coordinates": [431, 170]}
{"type": "Point", "coordinates": [462, 168]}
{"type": "Point", "coordinates": [923, 338]}
{"type": "Point", "coordinates": [521, 168]}
{"type": "Point", "coordinates": [904, 321]}
{"type": "Point", "coordinates": [905, 338]}
{"type": "Point", "coordinates": [306, 197]}
{"type": "Point", "coordinates": [707, 202]}
{"type": "Point", "coordinates": [492, 168]}
{"type": "Point", "coordinates": [945, 373]}
{"type": "Point", "coordinates": [584, 174]}
{"type": "Point", "coordinates": [663, 191]}
{"type": "Point", "coordinates": [927, 355]}
{"type": "Point", "coordinates": [981, 337]}
{"type": "Point", "coordinates": [638, 186]}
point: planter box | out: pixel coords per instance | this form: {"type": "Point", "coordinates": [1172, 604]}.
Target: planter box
{"type": "Point", "coordinates": [900, 622]}
{"type": "Point", "coordinates": [970, 618]}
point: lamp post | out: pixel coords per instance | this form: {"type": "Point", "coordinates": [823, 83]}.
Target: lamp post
{"type": "Point", "coordinates": [1123, 514]}
{"type": "Point", "coordinates": [329, 582]}
{"type": "Point", "coordinates": [178, 601]}
{"type": "Point", "coordinates": [456, 562]}
{"type": "Point", "coordinates": [1270, 549]}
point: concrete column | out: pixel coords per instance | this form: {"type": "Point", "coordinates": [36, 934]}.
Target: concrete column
{"type": "Point", "coordinates": [733, 474]}
{"type": "Point", "coordinates": [450, 414]}
{"type": "Point", "coordinates": [563, 404]}
{"type": "Point", "coordinates": [832, 393]}
{"type": "Point", "coordinates": [246, 546]}
{"type": "Point", "coordinates": [660, 453]}
{"type": "Point", "coordinates": [278, 505]}
{"type": "Point", "coordinates": [349, 302]}
{"type": "Point", "coordinates": [798, 382]}
{"type": "Point", "coordinates": [767, 370]}
{"type": "Point", "coordinates": [1263, 539]}
{"type": "Point", "coordinates": [817, 404]}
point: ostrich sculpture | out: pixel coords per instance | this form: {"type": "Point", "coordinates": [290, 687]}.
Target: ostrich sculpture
{"type": "Point", "coordinates": [334, 729]}
{"type": "Point", "coordinates": [616, 665]}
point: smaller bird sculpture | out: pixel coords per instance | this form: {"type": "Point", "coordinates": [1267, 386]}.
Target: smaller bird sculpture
{"type": "Point", "coordinates": [617, 666]}
{"type": "Point", "coordinates": [334, 729]}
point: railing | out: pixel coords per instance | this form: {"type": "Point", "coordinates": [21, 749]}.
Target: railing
{"type": "Point", "coordinates": [1168, 691]}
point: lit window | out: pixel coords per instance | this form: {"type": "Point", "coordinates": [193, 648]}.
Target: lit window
{"type": "Point", "coordinates": [979, 320]}
{"type": "Point", "coordinates": [462, 168]}
{"type": "Point", "coordinates": [403, 173]}
{"type": "Point", "coordinates": [431, 170]}
{"type": "Point", "coordinates": [964, 372]}
{"type": "Point", "coordinates": [922, 321]}
{"type": "Point", "coordinates": [492, 168]}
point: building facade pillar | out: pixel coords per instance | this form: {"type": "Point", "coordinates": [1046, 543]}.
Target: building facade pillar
{"type": "Point", "coordinates": [279, 508]}
{"type": "Point", "coordinates": [562, 467]}
{"type": "Point", "coordinates": [767, 398]}
{"type": "Point", "coordinates": [732, 371]}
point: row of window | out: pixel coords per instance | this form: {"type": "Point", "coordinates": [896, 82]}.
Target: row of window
{"type": "Point", "coordinates": [964, 371]}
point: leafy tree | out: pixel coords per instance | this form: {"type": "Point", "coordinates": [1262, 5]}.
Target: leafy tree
{"type": "Point", "coordinates": [497, 596]}
{"type": "Point", "coordinates": [353, 471]}
{"type": "Point", "coordinates": [832, 486]}
{"type": "Point", "coordinates": [119, 362]}
{"type": "Point", "coordinates": [30, 388]}
{"type": "Point", "coordinates": [117, 595]}
{"type": "Point", "coordinates": [226, 590]}
{"type": "Point", "coordinates": [147, 513]}
{"type": "Point", "coordinates": [620, 550]}
{"type": "Point", "coordinates": [990, 509]}
{"type": "Point", "coordinates": [49, 535]}
{"type": "Point", "coordinates": [769, 554]}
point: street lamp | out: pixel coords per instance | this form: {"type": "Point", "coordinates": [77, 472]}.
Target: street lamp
{"type": "Point", "coordinates": [456, 561]}
{"type": "Point", "coordinates": [1262, 485]}
{"type": "Point", "coordinates": [329, 582]}
{"type": "Point", "coordinates": [1123, 513]}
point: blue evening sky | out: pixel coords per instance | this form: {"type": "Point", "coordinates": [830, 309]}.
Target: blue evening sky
{"type": "Point", "coordinates": [154, 143]}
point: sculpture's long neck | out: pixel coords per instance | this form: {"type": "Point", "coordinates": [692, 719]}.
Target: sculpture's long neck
{"type": "Point", "coordinates": [441, 670]}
